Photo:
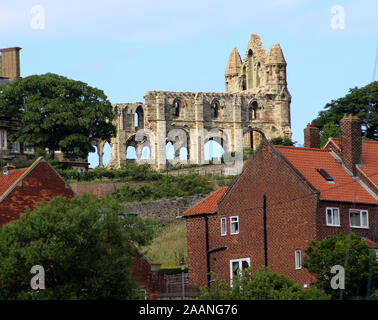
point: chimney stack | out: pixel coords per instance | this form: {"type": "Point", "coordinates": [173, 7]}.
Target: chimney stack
{"type": "Point", "coordinates": [351, 142]}
{"type": "Point", "coordinates": [311, 136]}
{"type": "Point", "coordinates": [10, 63]}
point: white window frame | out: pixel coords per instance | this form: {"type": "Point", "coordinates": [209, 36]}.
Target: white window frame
{"type": "Point", "coordinates": [240, 261]}
{"type": "Point", "coordinates": [223, 223]}
{"type": "Point", "coordinates": [298, 262]}
{"type": "Point", "coordinates": [361, 211]}
{"type": "Point", "coordinates": [332, 223]}
{"type": "Point", "coordinates": [233, 222]}
{"type": "Point", "coordinates": [3, 135]}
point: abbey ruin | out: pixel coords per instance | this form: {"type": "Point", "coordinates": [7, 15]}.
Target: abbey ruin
{"type": "Point", "coordinates": [256, 96]}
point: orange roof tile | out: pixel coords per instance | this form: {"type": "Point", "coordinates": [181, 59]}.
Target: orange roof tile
{"type": "Point", "coordinates": [369, 158]}
{"type": "Point", "coordinates": [207, 205]}
{"type": "Point", "coordinates": [371, 244]}
{"type": "Point", "coordinates": [344, 188]}
{"type": "Point", "coordinates": [6, 181]}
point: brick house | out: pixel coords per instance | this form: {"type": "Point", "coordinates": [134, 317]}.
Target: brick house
{"type": "Point", "coordinates": [284, 198]}
{"type": "Point", "coordinates": [20, 188]}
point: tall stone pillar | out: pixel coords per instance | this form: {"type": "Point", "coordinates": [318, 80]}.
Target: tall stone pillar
{"type": "Point", "coordinates": [161, 134]}
{"type": "Point", "coordinates": [197, 133]}
{"type": "Point", "coordinates": [118, 145]}
{"type": "Point", "coordinates": [237, 141]}
{"type": "Point", "coordinates": [100, 153]}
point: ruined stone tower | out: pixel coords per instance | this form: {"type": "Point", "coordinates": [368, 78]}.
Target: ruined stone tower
{"type": "Point", "coordinates": [256, 97]}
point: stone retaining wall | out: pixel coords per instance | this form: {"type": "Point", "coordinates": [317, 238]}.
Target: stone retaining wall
{"type": "Point", "coordinates": [166, 210]}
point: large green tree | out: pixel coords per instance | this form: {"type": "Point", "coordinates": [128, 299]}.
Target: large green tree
{"type": "Point", "coordinates": [84, 246]}
{"type": "Point", "coordinates": [349, 251]}
{"type": "Point", "coordinates": [362, 102]}
{"type": "Point", "coordinates": [58, 113]}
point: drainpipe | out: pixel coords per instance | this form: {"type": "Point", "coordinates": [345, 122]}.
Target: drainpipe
{"type": "Point", "coordinates": [207, 250]}
{"type": "Point", "coordinates": [265, 235]}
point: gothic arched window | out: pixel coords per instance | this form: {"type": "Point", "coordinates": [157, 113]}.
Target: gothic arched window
{"type": "Point", "coordinates": [176, 107]}
{"type": "Point", "coordinates": [253, 111]}
{"type": "Point", "coordinates": [139, 118]}
{"type": "Point", "coordinates": [215, 109]}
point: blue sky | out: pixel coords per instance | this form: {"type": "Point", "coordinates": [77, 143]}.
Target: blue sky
{"type": "Point", "coordinates": [127, 48]}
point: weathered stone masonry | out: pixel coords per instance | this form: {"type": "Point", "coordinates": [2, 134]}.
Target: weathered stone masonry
{"type": "Point", "coordinates": [256, 97]}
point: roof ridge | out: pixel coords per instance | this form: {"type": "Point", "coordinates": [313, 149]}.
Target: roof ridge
{"type": "Point", "coordinates": [301, 148]}
{"type": "Point", "coordinates": [206, 198]}
{"type": "Point", "coordinates": [20, 178]}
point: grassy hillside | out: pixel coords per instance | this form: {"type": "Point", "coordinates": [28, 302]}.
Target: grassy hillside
{"type": "Point", "coordinates": [169, 246]}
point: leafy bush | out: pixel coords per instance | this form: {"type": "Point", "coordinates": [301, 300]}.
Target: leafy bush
{"type": "Point", "coordinates": [283, 141]}
{"type": "Point", "coordinates": [164, 187]}
{"type": "Point", "coordinates": [262, 285]}
{"type": "Point", "coordinates": [83, 244]}
{"type": "Point", "coordinates": [128, 172]}
{"type": "Point", "coordinates": [349, 251]}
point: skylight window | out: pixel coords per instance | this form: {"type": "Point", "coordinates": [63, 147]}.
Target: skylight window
{"type": "Point", "coordinates": [325, 175]}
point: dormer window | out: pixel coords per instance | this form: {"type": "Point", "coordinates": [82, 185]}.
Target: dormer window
{"type": "Point", "coordinates": [325, 175]}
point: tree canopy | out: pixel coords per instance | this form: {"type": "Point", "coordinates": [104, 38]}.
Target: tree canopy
{"type": "Point", "coordinates": [58, 113]}
{"type": "Point", "coordinates": [362, 102]}
{"type": "Point", "coordinates": [349, 251]}
{"type": "Point", "coordinates": [84, 246]}
{"type": "Point", "coordinates": [262, 285]}
{"type": "Point", "coordinates": [282, 141]}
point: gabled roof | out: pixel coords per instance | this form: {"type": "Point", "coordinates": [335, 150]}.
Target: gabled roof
{"type": "Point", "coordinates": [369, 158]}
{"type": "Point", "coordinates": [343, 187]}
{"type": "Point", "coordinates": [207, 205]}
{"type": "Point", "coordinates": [14, 177]}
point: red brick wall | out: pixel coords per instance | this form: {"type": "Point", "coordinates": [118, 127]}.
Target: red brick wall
{"type": "Point", "coordinates": [324, 231]}
{"type": "Point", "coordinates": [142, 275]}
{"type": "Point", "coordinates": [196, 239]}
{"type": "Point", "coordinates": [290, 223]}
{"type": "Point", "coordinates": [41, 184]}
{"type": "Point", "coordinates": [311, 136]}
{"type": "Point", "coordinates": [97, 190]}
{"type": "Point", "coordinates": [350, 142]}
{"type": "Point", "coordinates": [295, 217]}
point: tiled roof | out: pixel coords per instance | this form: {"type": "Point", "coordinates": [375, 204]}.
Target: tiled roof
{"type": "Point", "coordinates": [371, 244]}
{"type": "Point", "coordinates": [6, 181]}
{"type": "Point", "coordinates": [207, 205]}
{"type": "Point", "coordinates": [344, 188]}
{"type": "Point", "coordinates": [369, 158]}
